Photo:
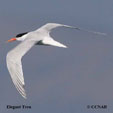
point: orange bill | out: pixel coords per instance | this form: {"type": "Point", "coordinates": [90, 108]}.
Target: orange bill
{"type": "Point", "coordinates": [11, 40]}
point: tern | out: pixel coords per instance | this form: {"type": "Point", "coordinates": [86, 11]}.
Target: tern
{"type": "Point", "coordinates": [40, 36]}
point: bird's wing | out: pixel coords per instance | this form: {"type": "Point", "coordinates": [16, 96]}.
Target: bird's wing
{"type": "Point", "coordinates": [14, 65]}
{"type": "Point", "coordinates": [49, 26]}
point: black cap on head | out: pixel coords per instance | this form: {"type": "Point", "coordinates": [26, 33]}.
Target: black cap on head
{"type": "Point", "coordinates": [21, 34]}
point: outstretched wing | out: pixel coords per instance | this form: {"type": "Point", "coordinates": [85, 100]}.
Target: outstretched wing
{"type": "Point", "coordinates": [49, 26]}
{"type": "Point", "coordinates": [14, 65]}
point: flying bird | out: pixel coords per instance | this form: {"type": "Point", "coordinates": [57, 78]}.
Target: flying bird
{"type": "Point", "coordinates": [40, 36]}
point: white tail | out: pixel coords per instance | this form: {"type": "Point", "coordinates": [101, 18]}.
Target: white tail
{"type": "Point", "coordinates": [50, 41]}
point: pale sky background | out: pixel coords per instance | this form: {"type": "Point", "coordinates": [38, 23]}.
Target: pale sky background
{"type": "Point", "coordinates": [60, 80]}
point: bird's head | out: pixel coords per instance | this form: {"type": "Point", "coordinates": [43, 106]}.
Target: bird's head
{"type": "Point", "coordinates": [18, 37]}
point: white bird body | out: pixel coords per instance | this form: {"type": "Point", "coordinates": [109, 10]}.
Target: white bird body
{"type": "Point", "coordinates": [39, 36]}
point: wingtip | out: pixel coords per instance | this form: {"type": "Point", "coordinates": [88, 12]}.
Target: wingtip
{"type": "Point", "coordinates": [24, 96]}
{"type": "Point", "coordinates": [98, 33]}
